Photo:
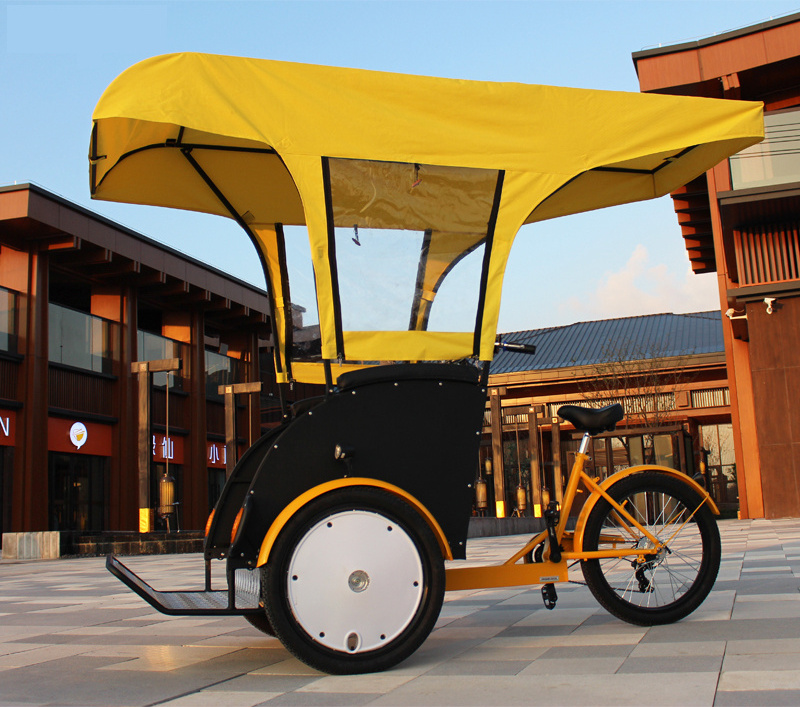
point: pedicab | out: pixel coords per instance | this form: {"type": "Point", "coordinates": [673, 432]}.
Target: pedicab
{"type": "Point", "coordinates": [334, 527]}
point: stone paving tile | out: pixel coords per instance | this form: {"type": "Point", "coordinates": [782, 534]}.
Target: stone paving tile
{"type": "Point", "coordinates": [70, 634]}
{"type": "Point", "coordinates": [323, 699]}
{"type": "Point", "coordinates": [737, 680]}
{"type": "Point", "coordinates": [684, 648]}
{"type": "Point", "coordinates": [206, 698]}
{"type": "Point", "coordinates": [765, 698]}
{"type": "Point", "coordinates": [480, 667]}
{"type": "Point", "coordinates": [692, 689]}
{"type": "Point", "coordinates": [581, 653]}
{"type": "Point", "coordinates": [568, 666]}
{"type": "Point", "coordinates": [763, 646]}
{"type": "Point", "coordinates": [761, 661]}
{"type": "Point", "coordinates": [672, 664]}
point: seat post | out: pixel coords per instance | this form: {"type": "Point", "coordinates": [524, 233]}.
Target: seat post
{"type": "Point", "coordinates": [584, 446]}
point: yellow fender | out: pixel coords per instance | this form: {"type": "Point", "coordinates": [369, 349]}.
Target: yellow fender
{"type": "Point", "coordinates": [312, 493]}
{"type": "Point", "coordinates": [614, 478]}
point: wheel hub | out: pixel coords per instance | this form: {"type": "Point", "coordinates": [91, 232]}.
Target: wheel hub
{"type": "Point", "coordinates": [355, 581]}
{"type": "Point", "coordinates": [358, 581]}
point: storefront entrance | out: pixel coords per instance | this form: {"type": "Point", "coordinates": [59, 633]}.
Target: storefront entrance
{"type": "Point", "coordinates": [719, 465]}
{"type": "Point", "coordinates": [77, 492]}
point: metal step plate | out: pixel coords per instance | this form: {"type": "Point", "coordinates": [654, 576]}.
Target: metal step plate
{"type": "Point", "coordinates": [185, 603]}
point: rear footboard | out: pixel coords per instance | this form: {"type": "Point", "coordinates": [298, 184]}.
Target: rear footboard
{"type": "Point", "coordinates": [241, 598]}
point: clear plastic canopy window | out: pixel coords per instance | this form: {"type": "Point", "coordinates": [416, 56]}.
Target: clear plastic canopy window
{"type": "Point", "coordinates": [401, 231]}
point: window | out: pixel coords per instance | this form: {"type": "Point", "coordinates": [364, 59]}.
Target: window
{"type": "Point", "coordinates": [152, 347]}
{"type": "Point", "coordinates": [397, 249]}
{"type": "Point", "coordinates": [80, 340]}
{"type": "Point", "coordinates": [306, 340]}
{"type": "Point", "coordinates": [776, 160]}
{"type": "Point", "coordinates": [8, 321]}
{"type": "Point", "coordinates": [221, 370]}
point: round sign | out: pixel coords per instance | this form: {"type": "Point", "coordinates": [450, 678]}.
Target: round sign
{"type": "Point", "coordinates": [78, 434]}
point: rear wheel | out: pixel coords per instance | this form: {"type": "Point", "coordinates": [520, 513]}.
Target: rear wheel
{"type": "Point", "coordinates": [355, 581]}
{"type": "Point", "coordinates": [261, 622]}
{"type": "Point", "coordinates": [672, 581]}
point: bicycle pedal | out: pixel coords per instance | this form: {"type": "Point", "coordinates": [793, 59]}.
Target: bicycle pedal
{"type": "Point", "coordinates": [549, 596]}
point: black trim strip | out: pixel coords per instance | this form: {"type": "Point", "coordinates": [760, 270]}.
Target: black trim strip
{"type": "Point", "coordinates": [175, 143]}
{"type": "Point", "coordinates": [455, 261]}
{"type": "Point", "coordinates": [337, 304]}
{"type": "Point", "coordinates": [421, 268]}
{"type": "Point", "coordinates": [288, 318]}
{"type": "Point", "coordinates": [623, 170]}
{"type": "Point", "coordinates": [487, 255]}
{"type": "Point", "coordinates": [93, 160]}
{"type": "Point", "coordinates": [236, 217]}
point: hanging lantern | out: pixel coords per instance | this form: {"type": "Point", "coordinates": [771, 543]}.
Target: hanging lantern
{"type": "Point", "coordinates": [522, 499]}
{"type": "Point", "coordinates": [481, 495]}
{"type": "Point", "coordinates": [166, 495]}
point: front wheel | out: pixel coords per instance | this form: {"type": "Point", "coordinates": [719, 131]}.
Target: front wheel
{"type": "Point", "coordinates": [355, 581]}
{"type": "Point", "coordinates": [672, 581]}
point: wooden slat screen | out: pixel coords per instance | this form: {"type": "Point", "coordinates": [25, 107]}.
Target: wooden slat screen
{"type": "Point", "coordinates": [82, 392]}
{"type": "Point", "coordinates": [768, 253]}
{"type": "Point", "coordinates": [9, 371]}
{"type": "Point", "coordinates": [177, 408]}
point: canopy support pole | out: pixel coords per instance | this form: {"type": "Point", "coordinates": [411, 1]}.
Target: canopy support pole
{"type": "Point", "coordinates": [279, 363]}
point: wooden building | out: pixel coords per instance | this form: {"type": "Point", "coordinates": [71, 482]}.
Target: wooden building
{"type": "Point", "coordinates": [83, 302]}
{"type": "Point", "coordinates": [742, 221]}
{"type": "Point", "coordinates": [667, 370]}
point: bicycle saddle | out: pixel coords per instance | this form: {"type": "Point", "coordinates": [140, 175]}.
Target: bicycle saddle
{"type": "Point", "coordinates": [592, 420]}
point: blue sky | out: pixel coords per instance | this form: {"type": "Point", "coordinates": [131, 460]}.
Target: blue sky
{"type": "Point", "coordinates": [56, 58]}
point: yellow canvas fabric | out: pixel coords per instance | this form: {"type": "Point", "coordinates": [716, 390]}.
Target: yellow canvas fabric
{"type": "Point", "coordinates": [561, 150]}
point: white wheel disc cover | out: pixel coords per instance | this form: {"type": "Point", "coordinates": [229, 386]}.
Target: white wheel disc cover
{"type": "Point", "coordinates": [355, 581]}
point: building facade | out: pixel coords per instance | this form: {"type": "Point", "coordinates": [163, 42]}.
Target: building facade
{"type": "Point", "coordinates": [742, 221]}
{"type": "Point", "coordinates": [84, 303]}
{"type": "Point", "coordinates": [667, 370]}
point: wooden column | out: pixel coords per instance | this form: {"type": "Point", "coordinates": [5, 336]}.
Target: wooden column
{"type": "Point", "coordinates": [534, 450]}
{"type": "Point", "coordinates": [254, 401]}
{"type": "Point", "coordinates": [737, 356]}
{"type": "Point", "coordinates": [230, 392]}
{"type": "Point", "coordinates": [30, 483]}
{"type": "Point", "coordinates": [498, 467]}
{"type": "Point", "coordinates": [195, 463]}
{"type": "Point", "coordinates": [557, 492]}
{"type": "Point", "coordinates": [144, 369]}
{"type": "Point", "coordinates": [119, 304]}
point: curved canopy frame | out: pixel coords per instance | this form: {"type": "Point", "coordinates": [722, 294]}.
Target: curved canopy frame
{"type": "Point", "coordinates": [273, 143]}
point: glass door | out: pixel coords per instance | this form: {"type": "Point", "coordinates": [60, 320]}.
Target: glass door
{"type": "Point", "coordinates": [77, 485]}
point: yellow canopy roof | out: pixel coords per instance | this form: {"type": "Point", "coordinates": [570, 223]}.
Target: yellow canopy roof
{"type": "Point", "coordinates": [250, 138]}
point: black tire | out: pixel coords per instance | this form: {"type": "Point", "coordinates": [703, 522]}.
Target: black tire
{"type": "Point", "coordinates": [670, 584]}
{"type": "Point", "coordinates": [535, 555]}
{"type": "Point", "coordinates": [261, 622]}
{"type": "Point", "coordinates": [355, 581]}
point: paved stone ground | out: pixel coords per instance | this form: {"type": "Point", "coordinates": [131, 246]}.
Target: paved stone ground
{"type": "Point", "coordinates": [71, 634]}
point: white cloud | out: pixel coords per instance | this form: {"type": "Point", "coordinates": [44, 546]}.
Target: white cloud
{"type": "Point", "coordinates": [640, 288]}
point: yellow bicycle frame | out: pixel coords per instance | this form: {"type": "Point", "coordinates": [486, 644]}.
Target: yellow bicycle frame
{"type": "Point", "coordinates": [511, 573]}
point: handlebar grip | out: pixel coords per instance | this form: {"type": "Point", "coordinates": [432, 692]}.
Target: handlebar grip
{"type": "Point", "coordinates": [515, 347]}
